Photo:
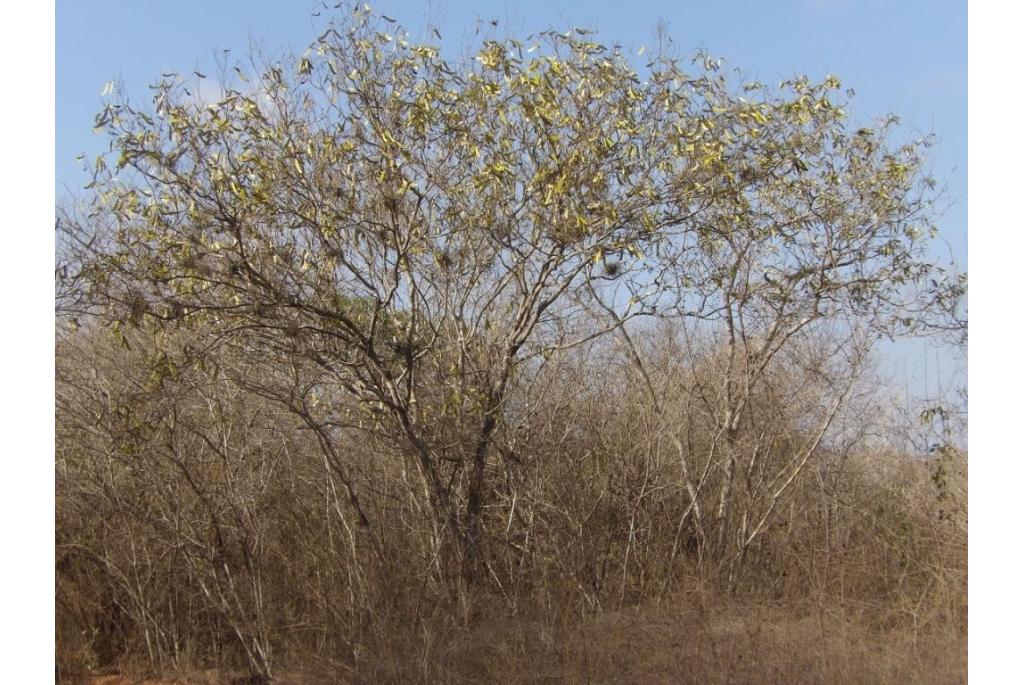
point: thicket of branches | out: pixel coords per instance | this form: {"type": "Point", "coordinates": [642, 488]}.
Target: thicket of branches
{"type": "Point", "coordinates": [379, 344]}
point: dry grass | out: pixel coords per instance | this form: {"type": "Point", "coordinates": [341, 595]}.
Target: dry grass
{"type": "Point", "coordinates": [764, 643]}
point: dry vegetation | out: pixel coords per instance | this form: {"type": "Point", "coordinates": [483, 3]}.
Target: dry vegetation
{"type": "Point", "coordinates": [358, 381]}
{"type": "Point", "coordinates": [200, 527]}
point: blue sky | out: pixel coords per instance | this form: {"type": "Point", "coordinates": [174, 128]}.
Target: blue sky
{"type": "Point", "coordinates": [908, 57]}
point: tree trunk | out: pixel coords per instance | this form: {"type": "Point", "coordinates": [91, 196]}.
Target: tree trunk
{"type": "Point", "coordinates": [725, 508]}
{"type": "Point", "coordinates": [472, 560]}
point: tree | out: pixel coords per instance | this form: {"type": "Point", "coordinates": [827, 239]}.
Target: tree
{"type": "Point", "coordinates": [405, 232]}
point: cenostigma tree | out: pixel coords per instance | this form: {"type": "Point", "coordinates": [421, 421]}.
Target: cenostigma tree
{"type": "Point", "coordinates": [407, 231]}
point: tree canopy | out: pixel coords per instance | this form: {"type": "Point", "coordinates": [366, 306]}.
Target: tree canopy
{"type": "Point", "coordinates": [413, 229]}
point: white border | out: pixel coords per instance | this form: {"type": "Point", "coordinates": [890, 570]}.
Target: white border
{"type": "Point", "coordinates": [996, 239]}
{"type": "Point", "coordinates": [26, 407]}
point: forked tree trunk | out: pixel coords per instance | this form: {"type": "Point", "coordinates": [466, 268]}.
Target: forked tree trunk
{"type": "Point", "coordinates": [472, 560]}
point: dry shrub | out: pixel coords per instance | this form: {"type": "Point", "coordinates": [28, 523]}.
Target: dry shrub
{"type": "Point", "coordinates": [200, 528]}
